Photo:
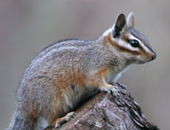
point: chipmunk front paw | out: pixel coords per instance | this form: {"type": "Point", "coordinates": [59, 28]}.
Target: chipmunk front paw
{"type": "Point", "coordinates": [114, 90]}
{"type": "Point", "coordinates": [110, 88]}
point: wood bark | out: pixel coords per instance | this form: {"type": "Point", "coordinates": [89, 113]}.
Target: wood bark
{"type": "Point", "coordinates": [105, 111]}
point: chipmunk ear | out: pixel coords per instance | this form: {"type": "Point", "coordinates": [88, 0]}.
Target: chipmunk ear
{"type": "Point", "coordinates": [119, 25]}
{"type": "Point", "coordinates": [130, 20]}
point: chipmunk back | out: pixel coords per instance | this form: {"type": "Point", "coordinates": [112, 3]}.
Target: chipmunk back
{"type": "Point", "coordinates": [64, 73]}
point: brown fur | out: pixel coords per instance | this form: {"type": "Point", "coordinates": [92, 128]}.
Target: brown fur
{"type": "Point", "coordinates": [65, 73]}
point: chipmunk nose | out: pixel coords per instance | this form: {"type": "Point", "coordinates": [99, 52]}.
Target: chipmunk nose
{"type": "Point", "coordinates": [154, 56]}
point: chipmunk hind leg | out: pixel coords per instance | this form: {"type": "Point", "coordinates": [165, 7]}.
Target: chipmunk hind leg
{"type": "Point", "coordinates": [59, 121]}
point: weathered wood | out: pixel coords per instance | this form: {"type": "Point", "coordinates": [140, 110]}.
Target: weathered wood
{"type": "Point", "coordinates": [107, 112]}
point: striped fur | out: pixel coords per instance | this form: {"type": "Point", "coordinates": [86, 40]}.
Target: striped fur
{"type": "Point", "coordinates": [65, 73]}
{"type": "Point", "coordinates": [141, 54]}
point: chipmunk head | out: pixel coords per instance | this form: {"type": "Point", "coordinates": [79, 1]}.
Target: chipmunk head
{"type": "Point", "coordinates": [130, 43]}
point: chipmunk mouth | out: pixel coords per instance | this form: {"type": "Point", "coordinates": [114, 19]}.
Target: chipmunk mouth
{"type": "Point", "coordinates": [149, 60]}
{"type": "Point", "coordinates": [152, 57]}
{"type": "Point", "coordinates": [142, 62]}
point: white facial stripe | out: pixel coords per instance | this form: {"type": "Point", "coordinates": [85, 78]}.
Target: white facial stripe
{"type": "Point", "coordinates": [106, 33]}
{"type": "Point", "coordinates": [124, 44]}
{"type": "Point", "coordinates": [120, 41]}
{"type": "Point", "coordinates": [141, 43]}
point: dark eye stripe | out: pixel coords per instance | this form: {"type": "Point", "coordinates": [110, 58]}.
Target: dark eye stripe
{"type": "Point", "coordinates": [137, 34]}
{"type": "Point", "coordinates": [126, 39]}
{"type": "Point", "coordinates": [121, 48]}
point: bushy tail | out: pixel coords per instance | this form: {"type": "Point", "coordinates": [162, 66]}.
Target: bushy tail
{"type": "Point", "coordinates": [20, 123]}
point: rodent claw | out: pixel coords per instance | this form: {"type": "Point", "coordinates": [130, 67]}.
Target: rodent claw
{"type": "Point", "coordinates": [114, 90]}
{"type": "Point", "coordinates": [67, 118]}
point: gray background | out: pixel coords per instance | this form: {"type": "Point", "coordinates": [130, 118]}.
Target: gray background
{"type": "Point", "coordinates": [27, 26]}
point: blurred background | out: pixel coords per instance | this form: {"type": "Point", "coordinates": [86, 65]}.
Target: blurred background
{"type": "Point", "coordinates": [27, 26]}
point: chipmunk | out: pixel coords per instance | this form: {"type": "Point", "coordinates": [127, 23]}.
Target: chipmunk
{"type": "Point", "coordinates": [64, 73]}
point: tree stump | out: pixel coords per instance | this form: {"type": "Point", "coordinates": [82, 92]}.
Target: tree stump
{"type": "Point", "coordinates": [105, 111]}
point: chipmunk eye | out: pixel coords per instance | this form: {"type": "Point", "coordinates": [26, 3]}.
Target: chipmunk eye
{"type": "Point", "coordinates": [134, 43]}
